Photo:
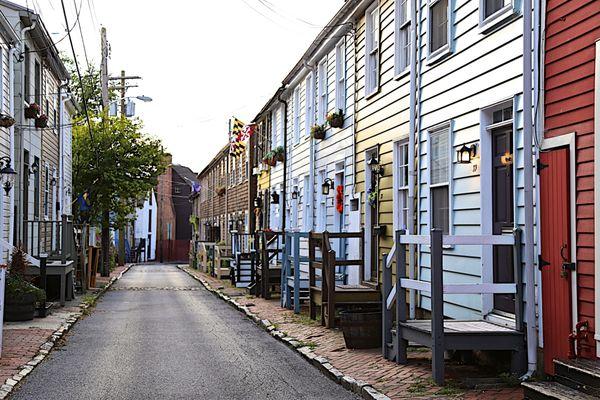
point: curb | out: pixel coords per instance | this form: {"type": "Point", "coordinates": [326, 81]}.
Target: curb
{"type": "Point", "coordinates": [361, 388]}
{"type": "Point", "coordinates": [45, 349]}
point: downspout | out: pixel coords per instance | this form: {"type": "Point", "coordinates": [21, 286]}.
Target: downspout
{"type": "Point", "coordinates": [285, 161]}
{"type": "Point", "coordinates": [529, 153]}
{"type": "Point", "coordinates": [354, 111]}
{"type": "Point", "coordinates": [311, 159]}
{"type": "Point", "coordinates": [63, 98]}
{"type": "Point", "coordinates": [20, 213]}
{"type": "Point", "coordinates": [411, 153]}
{"type": "Point", "coordinates": [11, 108]}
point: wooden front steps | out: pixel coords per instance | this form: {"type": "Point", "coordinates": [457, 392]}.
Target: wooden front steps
{"type": "Point", "coordinates": [573, 380]}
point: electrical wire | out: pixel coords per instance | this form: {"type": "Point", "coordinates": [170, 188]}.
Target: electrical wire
{"type": "Point", "coordinates": [87, 61]}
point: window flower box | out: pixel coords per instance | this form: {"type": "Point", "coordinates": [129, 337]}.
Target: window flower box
{"type": "Point", "coordinates": [41, 121]}
{"type": "Point", "coordinates": [32, 111]}
{"type": "Point", "coordinates": [336, 119]}
{"type": "Point", "coordinates": [318, 132]}
{"type": "Point", "coordinates": [6, 121]}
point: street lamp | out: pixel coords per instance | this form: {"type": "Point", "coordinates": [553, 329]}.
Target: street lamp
{"type": "Point", "coordinates": [7, 173]}
{"type": "Point", "coordinates": [145, 99]}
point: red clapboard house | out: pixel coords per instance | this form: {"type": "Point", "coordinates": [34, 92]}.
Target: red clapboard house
{"type": "Point", "coordinates": [569, 182]}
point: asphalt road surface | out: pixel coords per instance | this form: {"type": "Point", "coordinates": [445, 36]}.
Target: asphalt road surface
{"type": "Point", "coordinates": [147, 340]}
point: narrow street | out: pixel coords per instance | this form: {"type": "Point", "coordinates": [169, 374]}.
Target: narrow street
{"type": "Point", "coordinates": [157, 334]}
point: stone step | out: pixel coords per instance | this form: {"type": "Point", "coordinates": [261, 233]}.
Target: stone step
{"type": "Point", "coordinates": [552, 390]}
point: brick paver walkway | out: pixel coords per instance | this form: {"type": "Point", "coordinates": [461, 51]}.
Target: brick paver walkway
{"type": "Point", "coordinates": [396, 381]}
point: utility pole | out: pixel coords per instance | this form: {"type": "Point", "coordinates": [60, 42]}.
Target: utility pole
{"type": "Point", "coordinates": [105, 269]}
{"type": "Point", "coordinates": [104, 69]}
{"type": "Point", "coordinates": [123, 89]}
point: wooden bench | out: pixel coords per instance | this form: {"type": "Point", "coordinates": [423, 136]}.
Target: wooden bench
{"type": "Point", "coordinates": [331, 295]}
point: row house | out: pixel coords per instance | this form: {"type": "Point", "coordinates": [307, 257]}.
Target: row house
{"type": "Point", "coordinates": [35, 94]}
{"type": "Point", "coordinates": [222, 203]}
{"type": "Point", "coordinates": [409, 119]}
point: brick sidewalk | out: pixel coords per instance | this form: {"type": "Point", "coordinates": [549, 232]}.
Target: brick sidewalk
{"type": "Point", "coordinates": [21, 345]}
{"type": "Point", "coordinates": [396, 381]}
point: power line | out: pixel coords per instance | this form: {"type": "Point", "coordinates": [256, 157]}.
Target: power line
{"type": "Point", "coordinates": [85, 108]}
{"type": "Point", "coordinates": [81, 33]}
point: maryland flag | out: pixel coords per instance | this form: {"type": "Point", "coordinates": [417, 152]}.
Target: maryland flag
{"type": "Point", "coordinates": [238, 136]}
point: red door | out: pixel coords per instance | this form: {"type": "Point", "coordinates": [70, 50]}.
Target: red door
{"type": "Point", "coordinates": [556, 252]}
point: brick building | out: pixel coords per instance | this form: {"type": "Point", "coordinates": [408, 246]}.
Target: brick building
{"type": "Point", "coordinates": [223, 202]}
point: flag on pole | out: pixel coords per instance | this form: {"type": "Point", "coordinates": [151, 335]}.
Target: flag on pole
{"type": "Point", "coordinates": [239, 134]}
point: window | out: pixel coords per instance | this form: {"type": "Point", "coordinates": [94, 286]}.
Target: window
{"type": "Point", "coordinates": [322, 111]}
{"type": "Point", "coordinates": [169, 231]}
{"type": "Point", "coordinates": [27, 81]}
{"type": "Point", "coordinates": [372, 49]}
{"type": "Point", "coordinates": [403, 185]}
{"type": "Point", "coordinates": [274, 129]}
{"type": "Point", "coordinates": [150, 220]}
{"type": "Point", "coordinates": [402, 50]}
{"type": "Point", "coordinates": [340, 75]}
{"type": "Point", "coordinates": [36, 189]}
{"type": "Point", "coordinates": [38, 83]}
{"type": "Point", "coordinates": [46, 191]}
{"type": "Point", "coordinates": [321, 205]}
{"type": "Point", "coordinates": [306, 223]}
{"type": "Point", "coordinates": [296, 105]}
{"type": "Point", "coordinates": [439, 180]}
{"type": "Point", "coordinates": [438, 26]}
{"type": "Point", "coordinates": [493, 12]}
{"type": "Point", "coordinates": [490, 7]}
{"type": "Point", "coordinates": [309, 104]}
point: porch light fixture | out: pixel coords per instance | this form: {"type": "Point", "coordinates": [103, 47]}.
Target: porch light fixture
{"type": "Point", "coordinates": [465, 154]}
{"type": "Point", "coordinates": [34, 168]}
{"type": "Point", "coordinates": [294, 194]}
{"type": "Point", "coordinates": [326, 186]}
{"type": "Point", "coordinates": [374, 165]}
{"type": "Point", "coordinates": [274, 198]}
{"type": "Point", "coordinates": [7, 173]}
{"type": "Point", "coordinates": [53, 181]}
{"type": "Point", "coordinates": [257, 202]}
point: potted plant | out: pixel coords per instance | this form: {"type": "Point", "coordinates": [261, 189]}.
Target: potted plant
{"type": "Point", "coordinates": [269, 159]}
{"type": "Point", "coordinates": [20, 296]}
{"type": "Point", "coordinates": [336, 119]}
{"type": "Point", "coordinates": [318, 132]}
{"type": "Point", "coordinates": [6, 121]}
{"type": "Point", "coordinates": [279, 153]}
{"type": "Point", "coordinates": [32, 111]}
{"type": "Point", "coordinates": [41, 121]}
{"type": "Point", "coordinates": [372, 196]}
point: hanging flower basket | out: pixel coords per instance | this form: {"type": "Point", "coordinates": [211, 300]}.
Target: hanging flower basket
{"type": "Point", "coordinates": [269, 159]}
{"type": "Point", "coordinates": [220, 190]}
{"type": "Point", "coordinates": [372, 197]}
{"type": "Point", "coordinates": [32, 111]}
{"type": "Point", "coordinates": [279, 154]}
{"type": "Point", "coordinates": [339, 199]}
{"type": "Point", "coordinates": [41, 121]}
{"type": "Point", "coordinates": [6, 121]}
{"type": "Point", "coordinates": [318, 132]}
{"type": "Point", "coordinates": [336, 119]}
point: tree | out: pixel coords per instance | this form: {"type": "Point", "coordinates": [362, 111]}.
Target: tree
{"type": "Point", "coordinates": [116, 165]}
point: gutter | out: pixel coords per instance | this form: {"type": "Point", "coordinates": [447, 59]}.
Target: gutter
{"type": "Point", "coordinates": [529, 154]}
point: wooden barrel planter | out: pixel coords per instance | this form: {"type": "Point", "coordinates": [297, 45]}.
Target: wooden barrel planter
{"type": "Point", "coordinates": [21, 308]}
{"type": "Point", "coordinates": [362, 329]}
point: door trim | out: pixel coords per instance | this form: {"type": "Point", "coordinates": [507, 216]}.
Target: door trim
{"type": "Point", "coordinates": [596, 196]}
{"type": "Point", "coordinates": [566, 140]}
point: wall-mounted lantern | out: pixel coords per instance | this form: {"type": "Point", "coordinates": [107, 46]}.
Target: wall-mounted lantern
{"type": "Point", "coordinates": [374, 165]}
{"type": "Point", "coordinates": [7, 173]}
{"type": "Point", "coordinates": [34, 168]}
{"type": "Point", "coordinates": [274, 198]}
{"type": "Point", "coordinates": [295, 194]}
{"type": "Point", "coordinates": [327, 186]}
{"type": "Point", "coordinates": [257, 202]}
{"type": "Point", "coordinates": [465, 154]}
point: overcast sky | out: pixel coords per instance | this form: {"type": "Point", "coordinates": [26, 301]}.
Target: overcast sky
{"type": "Point", "coordinates": [201, 61]}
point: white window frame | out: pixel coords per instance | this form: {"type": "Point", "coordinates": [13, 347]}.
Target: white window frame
{"type": "Point", "coordinates": [309, 104]}
{"type": "Point", "coordinates": [306, 224]}
{"type": "Point", "coordinates": [401, 63]}
{"type": "Point", "coordinates": [321, 203]}
{"type": "Point", "coordinates": [372, 35]}
{"type": "Point", "coordinates": [2, 80]}
{"type": "Point", "coordinates": [502, 15]}
{"type": "Point", "coordinates": [436, 130]}
{"type": "Point", "coordinates": [296, 115]}
{"type": "Point", "coordinates": [340, 75]}
{"type": "Point", "coordinates": [443, 51]}
{"type": "Point", "coordinates": [322, 92]}
{"type": "Point", "coordinates": [401, 188]}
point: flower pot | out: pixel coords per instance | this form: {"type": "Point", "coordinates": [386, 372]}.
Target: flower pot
{"type": "Point", "coordinates": [319, 135]}
{"type": "Point", "coordinates": [279, 157]}
{"type": "Point", "coordinates": [41, 123]}
{"type": "Point", "coordinates": [6, 121]}
{"type": "Point", "coordinates": [31, 112]}
{"type": "Point", "coordinates": [21, 308]}
{"type": "Point", "coordinates": [361, 328]}
{"type": "Point", "coordinates": [270, 162]}
{"type": "Point", "coordinates": [337, 121]}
